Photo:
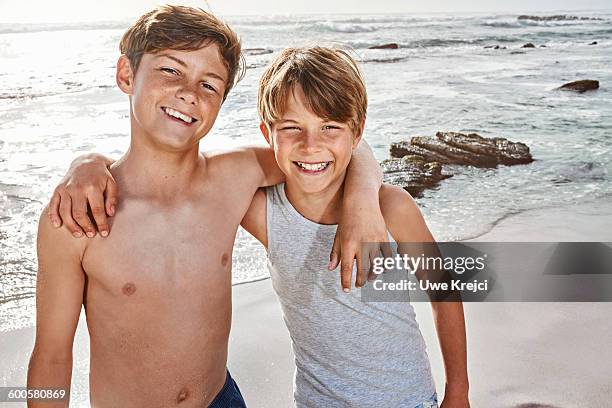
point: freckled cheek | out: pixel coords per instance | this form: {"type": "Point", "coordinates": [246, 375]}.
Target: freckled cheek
{"type": "Point", "coordinates": [209, 108]}
{"type": "Point", "coordinates": [149, 95]}
{"type": "Point", "coordinates": [282, 152]}
{"type": "Point", "coordinates": [342, 155]}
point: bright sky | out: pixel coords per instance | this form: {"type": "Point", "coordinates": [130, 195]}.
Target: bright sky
{"type": "Point", "coordinates": [90, 10]}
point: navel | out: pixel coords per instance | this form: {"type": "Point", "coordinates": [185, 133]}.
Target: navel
{"type": "Point", "coordinates": [128, 289]}
{"type": "Point", "coordinates": [224, 259]}
{"type": "Point", "coordinates": [182, 396]}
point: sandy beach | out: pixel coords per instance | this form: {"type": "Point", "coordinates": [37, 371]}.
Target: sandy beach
{"type": "Point", "coordinates": [521, 355]}
{"type": "Point", "coordinates": [547, 355]}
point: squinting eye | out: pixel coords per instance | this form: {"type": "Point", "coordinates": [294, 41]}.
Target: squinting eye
{"type": "Point", "coordinates": [169, 70]}
{"type": "Point", "coordinates": [209, 87]}
{"type": "Point", "coordinates": [327, 127]}
{"type": "Point", "coordinates": [290, 128]}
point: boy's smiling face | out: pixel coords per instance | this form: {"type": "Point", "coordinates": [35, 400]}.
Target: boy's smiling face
{"type": "Point", "coordinates": [313, 152]}
{"type": "Point", "coordinates": [175, 95]}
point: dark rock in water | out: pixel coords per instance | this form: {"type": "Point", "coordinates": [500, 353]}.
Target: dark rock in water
{"type": "Point", "coordinates": [497, 47]}
{"type": "Point", "coordinates": [542, 46]}
{"type": "Point", "coordinates": [385, 60]}
{"type": "Point", "coordinates": [488, 46]}
{"type": "Point", "coordinates": [557, 17]}
{"type": "Point", "coordinates": [528, 45]}
{"type": "Point", "coordinates": [257, 51]}
{"type": "Point", "coordinates": [501, 149]}
{"type": "Point", "coordinates": [413, 174]}
{"type": "Point", "coordinates": [452, 154]}
{"type": "Point", "coordinates": [404, 148]}
{"type": "Point", "coordinates": [581, 86]}
{"type": "Point", "coordinates": [593, 43]}
{"type": "Point", "coordinates": [459, 148]}
{"type": "Point", "coordinates": [417, 164]}
{"type": "Point", "coordinates": [390, 46]}
{"type": "Point", "coordinates": [517, 52]}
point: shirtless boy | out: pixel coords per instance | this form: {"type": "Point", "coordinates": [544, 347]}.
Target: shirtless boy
{"type": "Point", "coordinates": [157, 291]}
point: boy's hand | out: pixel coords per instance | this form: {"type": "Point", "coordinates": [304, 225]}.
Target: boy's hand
{"type": "Point", "coordinates": [87, 183]}
{"type": "Point", "coordinates": [359, 224]}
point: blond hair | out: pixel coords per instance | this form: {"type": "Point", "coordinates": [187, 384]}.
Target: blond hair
{"type": "Point", "coordinates": [331, 81]}
{"type": "Point", "coordinates": [187, 29]}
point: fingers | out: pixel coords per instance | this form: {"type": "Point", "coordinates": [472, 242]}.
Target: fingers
{"type": "Point", "coordinates": [96, 203]}
{"type": "Point", "coordinates": [385, 247]}
{"type": "Point", "coordinates": [54, 210]}
{"type": "Point", "coordinates": [111, 196]}
{"type": "Point", "coordinates": [79, 213]}
{"type": "Point", "coordinates": [346, 271]}
{"type": "Point", "coordinates": [65, 210]}
{"type": "Point", "coordinates": [375, 255]}
{"type": "Point", "coordinates": [334, 256]}
{"type": "Point", "coordinates": [363, 266]}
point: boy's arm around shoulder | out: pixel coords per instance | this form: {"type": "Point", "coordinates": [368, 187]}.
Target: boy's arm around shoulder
{"type": "Point", "coordinates": [59, 296]}
{"type": "Point", "coordinates": [253, 165]}
{"type": "Point", "coordinates": [406, 224]}
{"type": "Point", "coordinates": [255, 219]}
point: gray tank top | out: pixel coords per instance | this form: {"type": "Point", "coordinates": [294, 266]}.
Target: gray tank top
{"type": "Point", "coordinates": [348, 353]}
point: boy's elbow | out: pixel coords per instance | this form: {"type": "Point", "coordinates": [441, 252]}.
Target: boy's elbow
{"type": "Point", "coordinates": [48, 357]}
{"type": "Point", "coordinates": [48, 370]}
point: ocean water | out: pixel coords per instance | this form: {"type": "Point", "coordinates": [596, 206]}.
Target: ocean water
{"type": "Point", "coordinates": [58, 99]}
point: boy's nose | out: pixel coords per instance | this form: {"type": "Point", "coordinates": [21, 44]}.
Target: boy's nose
{"type": "Point", "coordinates": [311, 142]}
{"type": "Point", "coordinates": [187, 95]}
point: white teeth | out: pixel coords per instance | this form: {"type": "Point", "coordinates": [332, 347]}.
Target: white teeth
{"type": "Point", "coordinates": [178, 115]}
{"type": "Point", "coordinates": [314, 166]}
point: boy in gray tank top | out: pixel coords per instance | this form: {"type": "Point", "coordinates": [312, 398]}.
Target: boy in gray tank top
{"type": "Point", "coordinates": [312, 103]}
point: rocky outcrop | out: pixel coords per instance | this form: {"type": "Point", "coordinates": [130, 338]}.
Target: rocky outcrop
{"type": "Point", "coordinates": [390, 46]}
{"type": "Point", "coordinates": [580, 86]}
{"type": "Point", "coordinates": [413, 174]}
{"type": "Point", "coordinates": [465, 149]}
{"type": "Point", "coordinates": [528, 45]}
{"type": "Point", "coordinates": [557, 17]}
{"type": "Point", "coordinates": [495, 47]}
{"type": "Point", "coordinates": [418, 164]}
{"type": "Point", "coordinates": [593, 43]}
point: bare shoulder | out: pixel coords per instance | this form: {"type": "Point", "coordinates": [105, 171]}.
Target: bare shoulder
{"type": "Point", "coordinates": [58, 243]}
{"type": "Point", "coordinates": [256, 164]}
{"type": "Point", "coordinates": [402, 215]}
{"type": "Point", "coordinates": [244, 157]}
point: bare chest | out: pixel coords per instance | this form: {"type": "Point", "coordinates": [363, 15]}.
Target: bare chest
{"type": "Point", "coordinates": [159, 251]}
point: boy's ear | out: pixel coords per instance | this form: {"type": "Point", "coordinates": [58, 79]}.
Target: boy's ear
{"type": "Point", "coordinates": [358, 136]}
{"type": "Point", "coordinates": [125, 75]}
{"type": "Point", "coordinates": [265, 132]}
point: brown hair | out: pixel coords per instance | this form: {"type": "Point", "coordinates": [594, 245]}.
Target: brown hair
{"type": "Point", "coordinates": [183, 28]}
{"type": "Point", "coordinates": [331, 81]}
